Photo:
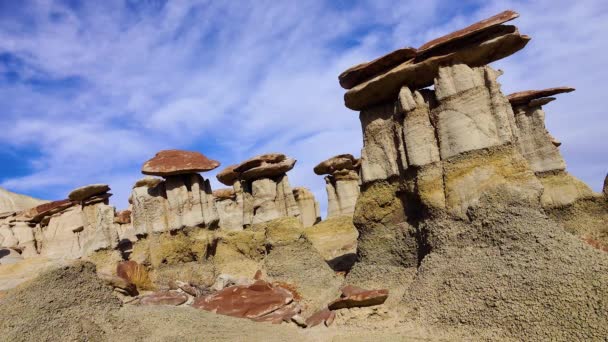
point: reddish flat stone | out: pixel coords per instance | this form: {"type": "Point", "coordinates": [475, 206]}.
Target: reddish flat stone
{"type": "Point", "coordinates": [325, 316]}
{"type": "Point", "coordinates": [164, 298]}
{"type": "Point", "coordinates": [228, 176]}
{"type": "Point", "coordinates": [458, 36]}
{"type": "Point", "coordinates": [336, 163]}
{"type": "Point", "coordinates": [262, 159]}
{"type": "Point", "coordinates": [280, 315]}
{"type": "Point", "coordinates": [36, 214]}
{"type": "Point", "coordinates": [265, 165]}
{"type": "Point", "coordinates": [245, 301]}
{"type": "Point", "coordinates": [353, 297]}
{"type": "Point", "coordinates": [123, 217]}
{"type": "Point", "coordinates": [175, 162]}
{"type": "Point", "coordinates": [87, 191]}
{"type": "Point", "coordinates": [362, 72]}
{"type": "Point", "coordinates": [97, 199]}
{"type": "Point", "coordinates": [524, 97]}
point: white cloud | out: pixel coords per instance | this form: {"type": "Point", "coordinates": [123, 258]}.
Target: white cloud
{"type": "Point", "coordinates": [234, 79]}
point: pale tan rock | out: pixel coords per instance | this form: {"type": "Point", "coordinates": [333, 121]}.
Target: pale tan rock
{"type": "Point", "coordinates": [308, 206]}
{"type": "Point", "coordinates": [229, 207]}
{"type": "Point", "coordinates": [561, 189]}
{"type": "Point", "coordinates": [264, 192]}
{"type": "Point", "coordinates": [418, 133]}
{"type": "Point", "coordinates": [24, 233]}
{"type": "Point", "coordinates": [268, 169]}
{"type": "Point", "coordinates": [149, 209]}
{"type": "Point", "coordinates": [148, 181]}
{"type": "Point", "coordinates": [336, 240]}
{"type": "Point", "coordinates": [286, 202]}
{"type": "Point", "coordinates": [99, 231]}
{"type": "Point", "coordinates": [190, 202]}
{"type": "Point", "coordinates": [84, 192]}
{"type": "Point", "coordinates": [11, 202]}
{"type": "Point", "coordinates": [6, 235]}
{"type": "Point", "coordinates": [534, 141]}
{"type": "Point", "coordinates": [9, 256]}
{"type": "Point", "coordinates": [471, 113]}
{"type": "Point", "coordinates": [381, 158]}
{"type": "Point", "coordinates": [61, 238]}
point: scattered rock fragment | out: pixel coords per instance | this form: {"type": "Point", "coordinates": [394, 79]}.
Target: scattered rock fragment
{"type": "Point", "coordinates": [324, 316]}
{"type": "Point", "coordinates": [164, 298]}
{"type": "Point", "coordinates": [353, 297]}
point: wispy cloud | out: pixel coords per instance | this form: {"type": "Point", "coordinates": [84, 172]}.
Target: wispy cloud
{"type": "Point", "coordinates": [96, 88]}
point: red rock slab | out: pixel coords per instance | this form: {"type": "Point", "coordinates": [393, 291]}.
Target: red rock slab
{"type": "Point", "coordinates": [135, 273]}
{"type": "Point", "coordinates": [228, 176]}
{"type": "Point", "coordinates": [84, 192]}
{"type": "Point", "coordinates": [325, 316]}
{"type": "Point", "coordinates": [97, 199]}
{"type": "Point", "coordinates": [363, 72]}
{"type": "Point", "coordinates": [280, 315]}
{"type": "Point", "coordinates": [501, 43]}
{"type": "Point", "coordinates": [164, 298]}
{"type": "Point", "coordinates": [176, 162]}
{"type": "Point", "coordinates": [262, 159]}
{"type": "Point", "coordinates": [336, 163]}
{"type": "Point", "coordinates": [36, 214]}
{"type": "Point", "coordinates": [267, 169]}
{"type": "Point", "coordinates": [524, 97]}
{"type": "Point", "coordinates": [245, 301]}
{"type": "Point", "coordinates": [223, 194]}
{"type": "Point", "coordinates": [123, 217]}
{"type": "Point", "coordinates": [359, 298]}
{"type": "Point", "coordinates": [462, 34]}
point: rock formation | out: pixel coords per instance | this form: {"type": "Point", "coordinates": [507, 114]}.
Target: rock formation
{"type": "Point", "coordinates": [183, 199]}
{"type": "Point", "coordinates": [455, 180]}
{"type": "Point", "coordinates": [310, 213]}
{"type": "Point", "coordinates": [342, 184]}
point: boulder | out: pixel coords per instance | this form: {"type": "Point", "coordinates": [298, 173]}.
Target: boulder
{"type": "Point", "coordinates": [178, 162]}
{"type": "Point", "coordinates": [84, 192]}
{"type": "Point", "coordinates": [173, 298]}
{"type": "Point", "coordinates": [354, 297]}
{"type": "Point", "coordinates": [525, 97]}
{"type": "Point", "coordinates": [228, 175]}
{"type": "Point", "coordinates": [362, 72]}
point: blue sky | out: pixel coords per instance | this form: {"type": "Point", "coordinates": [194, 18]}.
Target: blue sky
{"type": "Point", "coordinates": [90, 90]}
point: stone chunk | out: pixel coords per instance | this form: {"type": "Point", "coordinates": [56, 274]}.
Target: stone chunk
{"type": "Point", "coordinates": [246, 301]}
{"type": "Point", "coordinates": [336, 163]}
{"type": "Point", "coordinates": [176, 162]}
{"type": "Point", "coordinates": [119, 283]}
{"type": "Point", "coordinates": [148, 181]}
{"type": "Point", "coordinates": [36, 214]}
{"type": "Point", "coordinates": [228, 176]}
{"type": "Point", "coordinates": [362, 72]}
{"type": "Point", "coordinates": [164, 298]}
{"type": "Point", "coordinates": [524, 97]}
{"type": "Point", "coordinates": [266, 169]}
{"type": "Point", "coordinates": [322, 316]}
{"type": "Point", "coordinates": [84, 192]}
{"type": "Point", "coordinates": [308, 205]}
{"type": "Point", "coordinates": [353, 297]}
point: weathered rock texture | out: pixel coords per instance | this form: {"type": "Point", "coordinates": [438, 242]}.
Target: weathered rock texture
{"type": "Point", "coordinates": [178, 162]}
{"type": "Point", "coordinates": [457, 183]}
{"type": "Point", "coordinates": [342, 184]}
{"type": "Point", "coordinates": [310, 213]}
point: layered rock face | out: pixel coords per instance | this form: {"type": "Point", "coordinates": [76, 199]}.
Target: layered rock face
{"type": "Point", "coordinates": [434, 161]}
{"type": "Point", "coordinates": [342, 184]}
{"type": "Point", "coordinates": [310, 213]}
{"type": "Point", "coordinates": [66, 229]}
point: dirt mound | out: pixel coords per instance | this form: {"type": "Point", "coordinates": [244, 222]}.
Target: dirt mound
{"type": "Point", "coordinates": [66, 304]}
{"type": "Point", "coordinates": [511, 272]}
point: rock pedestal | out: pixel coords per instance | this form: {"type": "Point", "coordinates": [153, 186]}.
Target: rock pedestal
{"type": "Point", "coordinates": [342, 184]}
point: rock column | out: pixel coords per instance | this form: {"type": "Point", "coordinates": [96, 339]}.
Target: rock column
{"type": "Point", "coordinates": [342, 184]}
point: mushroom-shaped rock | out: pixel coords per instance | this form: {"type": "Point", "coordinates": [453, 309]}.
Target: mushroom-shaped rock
{"type": "Point", "coordinates": [365, 71]}
{"type": "Point", "coordinates": [84, 192]}
{"type": "Point", "coordinates": [265, 165]}
{"type": "Point", "coordinates": [223, 194]}
{"type": "Point", "coordinates": [477, 45]}
{"type": "Point", "coordinates": [339, 162]}
{"type": "Point", "coordinates": [525, 97]}
{"type": "Point", "coordinates": [176, 162]}
{"type": "Point", "coordinates": [228, 176]}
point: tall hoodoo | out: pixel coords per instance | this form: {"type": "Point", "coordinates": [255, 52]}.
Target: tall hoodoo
{"type": "Point", "coordinates": [266, 189]}
{"type": "Point", "coordinates": [183, 199]}
{"type": "Point", "coordinates": [440, 166]}
{"type": "Point", "coordinates": [342, 184]}
{"type": "Point", "coordinates": [310, 213]}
